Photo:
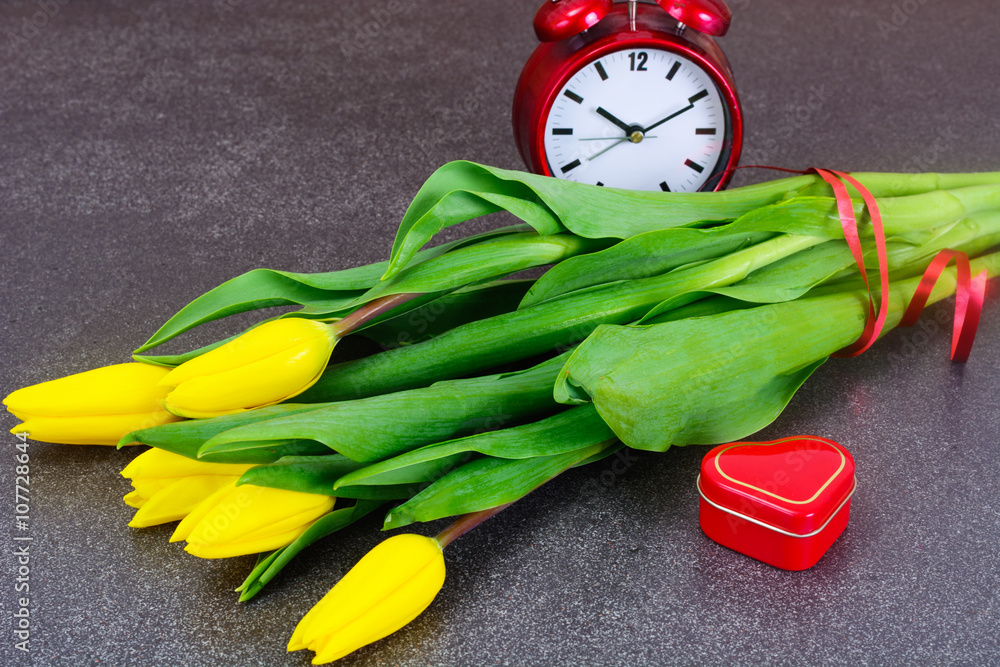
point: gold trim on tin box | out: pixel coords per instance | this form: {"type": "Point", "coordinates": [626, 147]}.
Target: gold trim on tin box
{"type": "Point", "coordinates": [843, 462]}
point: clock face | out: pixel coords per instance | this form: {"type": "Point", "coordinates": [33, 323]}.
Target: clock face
{"type": "Point", "coordinates": [643, 118]}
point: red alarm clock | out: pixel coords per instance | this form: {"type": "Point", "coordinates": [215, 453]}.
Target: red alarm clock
{"type": "Point", "coordinates": [630, 95]}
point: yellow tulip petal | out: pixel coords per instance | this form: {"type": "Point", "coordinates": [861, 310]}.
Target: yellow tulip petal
{"type": "Point", "coordinates": [145, 488]}
{"type": "Point", "coordinates": [303, 518]}
{"type": "Point", "coordinates": [90, 430]}
{"type": "Point", "coordinates": [251, 512]}
{"type": "Point", "coordinates": [258, 384]}
{"type": "Point", "coordinates": [259, 343]}
{"type": "Point", "coordinates": [117, 389]}
{"type": "Point", "coordinates": [232, 549]}
{"type": "Point", "coordinates": [135, 499]}
{"type": "Point", "coordinates": [387, 589]}
{"type": "Point", "coordinates": [246, 519]}
{"type": "Point", "coordinates": [190, 522]}
{"type": "Point", "coordinates": [159, 463]}
{"type": "Point", "coordinates": [173, 484]}
{"type": "Point", "coordinates": [178, 498]}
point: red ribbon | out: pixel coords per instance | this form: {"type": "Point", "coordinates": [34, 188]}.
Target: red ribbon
{"type": "Point", "coordinates": [969, 295]}
{"type": "Point", "coordinates": [875, 323]}
{"type": "Point", "coordinates": [969, 292]}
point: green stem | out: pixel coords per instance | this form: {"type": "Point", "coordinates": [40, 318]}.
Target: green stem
{"type": "Point", "coordinates": [368, 312]}
{"type": "Point", "coordinates": [466, 523]}
{"type": "Point", "coordinates": [899, 185]}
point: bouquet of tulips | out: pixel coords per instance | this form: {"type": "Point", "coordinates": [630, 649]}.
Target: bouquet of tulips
{"type": "Point", "coordinates": [664, 319]}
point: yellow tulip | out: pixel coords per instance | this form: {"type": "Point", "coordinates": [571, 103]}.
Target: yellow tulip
{"type": "Point", "coordinates": [248, 519]}
{"type": "Point", "coordinates": [269, 364]}
{"type": "Point", "coordinates": [168, 486]}
{"type": "Point", "coordinates": [96, 407]}
{"type": "Point", "coordinates": [387, 589]}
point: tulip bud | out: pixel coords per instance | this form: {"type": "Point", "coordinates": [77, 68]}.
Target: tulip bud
{"type": "Point", "coordinates": [269, 364]}
{"type": "Point", "coordinates": [96, 407]}
{"type": "Point", "coordinates": [168, 486]}
{"type": "Point", "coordinates": [387, 589]}
{"type": "Point", "coordinates": [248, 519]}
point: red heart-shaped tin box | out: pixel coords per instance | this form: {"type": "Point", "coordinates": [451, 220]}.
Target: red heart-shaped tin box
{"type": "Point", "coordinates": [782, 502]}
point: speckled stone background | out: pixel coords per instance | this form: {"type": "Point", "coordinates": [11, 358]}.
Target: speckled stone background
{"type": "Point", "coordinates": [149, 151]}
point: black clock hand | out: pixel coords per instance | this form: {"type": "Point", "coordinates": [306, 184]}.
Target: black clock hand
{"type": "Point", "coordinates": [607, 114]}
{"type": "Point", "coordinates": [664, 120]}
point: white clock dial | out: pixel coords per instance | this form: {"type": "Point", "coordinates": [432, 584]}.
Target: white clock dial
{"type": "Point", "coordinates": [644, 119]}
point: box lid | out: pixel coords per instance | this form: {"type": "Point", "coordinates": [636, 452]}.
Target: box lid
{"type": "Point", "coordinates": [794, 484]}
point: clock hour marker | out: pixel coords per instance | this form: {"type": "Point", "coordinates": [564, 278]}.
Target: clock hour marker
{"type": "Point", "coordinates": [673, 70]}
{"type": "Point", "coordinates": [697, 96]}
{"type": "Point", "coordinates": [573, 96]}
{"type": "Point", "coordinates": [600, 70]}
{"type": "Point", "coordinates": [705, 130]}
{"type": "Point", "coordinates": [573, 165]}
{"type": "Point", "coordinates": [694, 165]}
{"type": "Point", "coordinates": [569, 130]}
{"type": "Point", "coordinates": [664, 186]}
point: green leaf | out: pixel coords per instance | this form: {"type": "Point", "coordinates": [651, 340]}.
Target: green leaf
{"type": "Point", "coordinates": [719, 378]}
{"type": "Point", "coordinates": [461, 190]}
{"type": "Point", "coordinates": [259, 288]}
{"type": "Point", "coordinates": [373, 428]}
{"type": "Point", "coordinates": [172, 360]}
{"type": "Point", "coordinates": [786, 279]}
{"type": "Point", "coordinates": [419, 471]}
{"type": "Point", "coordinates": [486, 483]}
{"type": "Point", "coordinates": [268, 566]}
{"type": "Point", "coordinates": [641, 256]}
{"type": "Point", "coordinates": [490, 259]}
{"type": "Point", "coordinates": [447, 312]}
{"type": "Point", "coordinates": [461, 266]}
{"type": "Point", "coordinates": [317, 474]}
{"type": "Point", "coordinates": [264, 288]}
{"type": "Point", "coordinates": [457, 192]}
{"type": "Point", "coordinates": [186, 437]}
{"type": "Point", "coordinates": [382, 492]}
{"type": "Point", "coordinates": [305, 474]}
{"type": "Point", "coordinates": [559, 323]}
{"type": "Point", "coordinates": [567, 431]}
{"type": "Point", "coordinates": [791, 277]}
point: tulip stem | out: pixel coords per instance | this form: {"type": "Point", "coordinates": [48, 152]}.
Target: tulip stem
{"type": "Point", "coordinates": [368, 312]}
{"type": "Point", "coordinates": [466, 523]}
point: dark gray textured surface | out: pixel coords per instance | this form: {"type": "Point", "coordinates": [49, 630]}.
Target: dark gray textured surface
{"type": "Point", "coordinates": [150, 152]}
